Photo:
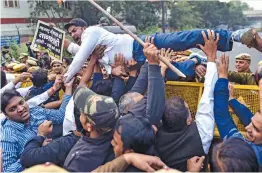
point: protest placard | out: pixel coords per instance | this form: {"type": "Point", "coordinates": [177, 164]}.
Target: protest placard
{"type": "Point", "coordinates": [49, 39]}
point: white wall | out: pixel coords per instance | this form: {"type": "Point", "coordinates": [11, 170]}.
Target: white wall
{"type": "Point", "coordinates": [23, 11]}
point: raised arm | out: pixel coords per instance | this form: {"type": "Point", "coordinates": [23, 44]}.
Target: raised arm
{"type": "Point", "coordinates": [132, 64]}
{"type": "Point", "coordinates": [243, 113]}
{"type": "Point", "coordinates": [141, 83]}
{"type": "Point", "coordinates": [224, 121]}
{"type": "Point", "coordinates": [118, 71]}
{"type": "Point", "coordinates": [97, 54]}
{"type": "Point", "coordinates": [11, 85]}
{"type": "Point", "coordinates": [39, 99]}
{"type": "Point", "coordinates": [156, 87]}
{"type": "Point", "coordinates": [205, 112]}
{"type": "Point", "coordinates": [57, 116]}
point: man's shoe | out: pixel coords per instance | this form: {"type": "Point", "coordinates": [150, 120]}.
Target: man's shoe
{"type": "Point", "coordinates": [200, 59]}
{"type": "Point", "coordinates": [246, 37]}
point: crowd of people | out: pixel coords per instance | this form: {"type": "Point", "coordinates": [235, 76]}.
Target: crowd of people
{"type": "Point", "coordinates": [104, 109]}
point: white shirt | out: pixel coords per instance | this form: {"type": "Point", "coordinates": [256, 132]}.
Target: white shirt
{"type": "Point", "coordinates": [94, 36]}
{"type": "Point", "coordinates": [69, 120]}
{"type": "Point", "coordinates": [205, 113]}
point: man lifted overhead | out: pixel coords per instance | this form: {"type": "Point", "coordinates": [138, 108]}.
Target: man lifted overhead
{"type": "Point", "coordinates": [87, 38]}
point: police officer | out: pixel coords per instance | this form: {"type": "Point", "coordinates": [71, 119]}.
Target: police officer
{"type": "Point", "coordinates": [242, 63]}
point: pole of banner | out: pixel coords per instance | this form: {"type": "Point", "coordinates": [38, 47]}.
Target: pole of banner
{"type": "Point", "coordinates": [173, 68]}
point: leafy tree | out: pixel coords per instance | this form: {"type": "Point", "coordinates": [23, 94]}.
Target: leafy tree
{"type": "Point", "coordinates": [184, 16]}
{"type": "Point", "coordinates": [51, 9]}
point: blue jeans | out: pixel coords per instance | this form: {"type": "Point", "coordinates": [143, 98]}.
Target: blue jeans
{"type": "Point", "coordinates": [186, 67]}
{"type": "Point", "coordinates": [179, 41]}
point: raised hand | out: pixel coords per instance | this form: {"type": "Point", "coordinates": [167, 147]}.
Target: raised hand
{"type": "Point", "coordinates": [210, 47]}
{"type": "Point", "coordinates": [98, 53]}
{"type": "Point", "coordinates": [167, 54]}
{"type": "Point", "coordinates": [200, 71]}
{"type": "Point", "coordinates": [119, 65]}
{"type": "Point", "coordinates": [222, 66]}
{"type": "Point", "coordinates": [23, 76]}
{"type": "Point", "coordinates": [150, 51]}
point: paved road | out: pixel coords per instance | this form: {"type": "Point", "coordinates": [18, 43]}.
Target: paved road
{"type": "Point", "coordinates": [240, 48]}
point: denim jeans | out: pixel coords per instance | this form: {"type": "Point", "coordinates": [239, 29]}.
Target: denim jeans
{"type": "Point", "coordinates": [179, 41]}
{"type": "Point", "coordinates": [186, 67]}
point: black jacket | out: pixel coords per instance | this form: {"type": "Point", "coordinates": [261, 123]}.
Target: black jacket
{"type": "Point", "coordinates": [55, 152]}
{"type": "Point", "coordinates": [90, 153]}
{"type": "Point", "coordinates": [175, 148]}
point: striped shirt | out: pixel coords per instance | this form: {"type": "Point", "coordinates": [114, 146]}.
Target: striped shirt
{"type": "Point", "coordinates": [15, 135]}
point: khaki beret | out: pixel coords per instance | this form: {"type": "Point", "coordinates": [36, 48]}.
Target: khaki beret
{"type": "Point", "coordinates": [55, 62]}
{"type": "Point", "coordinates": [11, 65]}
{"type": "Point", "coordinates": [19, 67]}
{"type": "Point", "coordinates": [33, 59]}
{"type": "Point", "coordinates": [21, 57]}
{"type": "Point", "coordinates": [32, 69]}
{"type": "Point", "coordinates": [243, 56]}
{"type": "Point", "coordinates": [23, 54]}
{"type": "Point", "coordinates": [31, 62]}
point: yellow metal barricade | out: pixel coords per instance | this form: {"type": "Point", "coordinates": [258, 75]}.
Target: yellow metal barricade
{"type": "Point", "coordinates": [191, 92]}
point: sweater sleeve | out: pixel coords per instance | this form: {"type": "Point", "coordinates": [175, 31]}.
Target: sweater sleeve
{"type": "Point", "coordinates": [156, 95]}
{"type": "Point", "coordinates": [224, 121]}
{"type": "Point", "coordinates": [241, 111]}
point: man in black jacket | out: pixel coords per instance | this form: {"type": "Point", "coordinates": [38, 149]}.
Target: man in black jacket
{"type": "Point", "coordinates": [180, 138]}
{"type": "Point", "coordinates": [98, 117]}
{"type": "Point", "coordinates": [40, 149]}
{"type": "Point", "coordinates": [134, 131]}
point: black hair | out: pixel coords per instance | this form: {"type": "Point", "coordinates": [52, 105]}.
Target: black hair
{"type": "Point", "coordinates": [234, 155]}
{"type": "Point", "coordinates": [136, 133]}
{"type": "Point", "coordinates": [39, 78]}
{"type": "Point", "coordinates": [103, 87]}
{"type": "Point", "coordinates": [68, 60]}
{"type": "Point", "coordinates": [6, 97]}
{"type": "Point", "coordinates": [176, 114]}
{"type": "Point", "coordinates": [3, 79]}
{"type": "Point", "coordinates": [79, 126]}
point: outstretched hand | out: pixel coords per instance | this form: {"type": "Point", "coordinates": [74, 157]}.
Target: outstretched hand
{"type": "Point", "coordinates": [98, 52]}
{"type": "Point", "coordinates": [210, 46]}
{"type": "Point", "coordinates": [150, 51]}
{"type": "Point", "coordinates": [222, 66]}
{"type": "Point", "coordinates": [167, 54]}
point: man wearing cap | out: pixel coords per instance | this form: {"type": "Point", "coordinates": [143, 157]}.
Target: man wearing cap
{"type": "Point", "coordinates": [98, 117]}
{"type": "Point", "coordinates": [23, 57]}
{"type": "Point", "coordinates": [242, 63]}
{"type": "Point", "coordinates": [88, 38]}
{"type": "Point", "coordinates": [57, 69]}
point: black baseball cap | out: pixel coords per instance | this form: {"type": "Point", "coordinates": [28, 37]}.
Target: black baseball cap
{"type": "Point", "coordinates": [75, 22]}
